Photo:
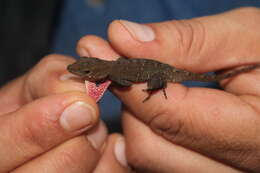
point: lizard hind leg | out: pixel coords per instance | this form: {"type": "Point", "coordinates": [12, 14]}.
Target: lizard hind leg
{"type": "Point", "coordinates": [156, 83]}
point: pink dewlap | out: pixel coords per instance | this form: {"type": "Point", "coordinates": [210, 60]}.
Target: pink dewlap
{"type": "Point", "coordinates": [96, 92]}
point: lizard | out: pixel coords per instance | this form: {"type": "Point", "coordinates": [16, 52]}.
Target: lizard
{"type": "Point", "coordinates": [126, 71]}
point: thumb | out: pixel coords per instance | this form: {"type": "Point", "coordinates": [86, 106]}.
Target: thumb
{"type": "Point", "coordinates": [218, 41]}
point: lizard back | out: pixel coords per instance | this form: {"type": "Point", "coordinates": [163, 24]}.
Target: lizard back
{"type": "Point", "coordinates": [140, 70]}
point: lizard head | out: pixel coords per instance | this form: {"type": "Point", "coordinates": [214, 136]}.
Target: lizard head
{"type": "Point", "coordinates": [91, 69]}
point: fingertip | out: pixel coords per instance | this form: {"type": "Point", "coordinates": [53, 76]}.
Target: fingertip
{"type": "Point", "coordinates": [138, 32]}
{"type": "Point", "coordinates": [48, 77]}
{"type": "Point", "coordinates": [113, 158]}
{"type": "Point", "coordinates": [116, 145]}
{"type": "Point", "coordinates": [93, 46]}
{"type": "Point", "coordinates": [126, 36]}
{"type": "Point", "coordinates": [86, 42]}
{"type": "Point", "coordinates": [119, 150]}
{"type": "Point", "coordinates": [98, 135]}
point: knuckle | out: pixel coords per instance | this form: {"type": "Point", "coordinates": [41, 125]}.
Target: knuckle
{"type": "Point", "coordinates": [190, 34]}
{"type": "Point", "coordinates": [46, 71]}
{"type": "Point", "coordinates": [177, 30]}
{"type": "Point", "coordinates": [35, 134]}
{"type": "Point", "coordinates": [45, 63]}
{"type": "Point", "coordinates": [168, 125]}
{"type": "Point", "coordinates": [66, 159]}
{"type": "Point", "coordinates": [194, 35]}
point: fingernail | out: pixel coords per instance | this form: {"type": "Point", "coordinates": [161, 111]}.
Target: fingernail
{"type": "Point", "coordinates": [119, 151]}
{"type": "Point", "coordinates": [139, 32]}
{"type": "Point", "coordinates": [83, 52]}
{"type": "Point", "coordinates": [77, 116]}
{"type": "Point", "coordinates": [97, 136]}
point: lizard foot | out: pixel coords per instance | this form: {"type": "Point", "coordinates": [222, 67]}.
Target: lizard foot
{"type": "Point", "coordinates": [150, 92]}
{"type": "Point", "coordinates": [164, 93]}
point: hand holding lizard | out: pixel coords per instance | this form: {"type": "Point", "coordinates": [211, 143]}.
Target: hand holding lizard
{"type": "Point", "coordinates": [43, 120]}
{"type": "Point", "coordinates": [200, 129]}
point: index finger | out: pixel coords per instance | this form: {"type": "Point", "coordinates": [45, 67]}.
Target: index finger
{"type": "Point", "coordinates": [48, 77]}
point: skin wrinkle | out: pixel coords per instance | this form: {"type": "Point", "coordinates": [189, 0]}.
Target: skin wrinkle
{"type": "Point", "coordinates": [199, 46]}
{"type": "Point", "coordinates": [255, 108]}
{"type": "Point", "coordinates": [166, 116]}
{"type": "Point", "coordinates": [187, 149]}
{"type": "Point", "coordinates": [221, 148]}
{"type": "Point", "coordinates": [32, 76]}
{"type": "Point", "coordinates": [67, 157]}
{"type": "Point", "coordinates": [187, 40]}
{"type": "Point", "coordinates": [28, 89]}
{"type": "Point", "coordinates": [163, 131]}
{"type": "Point", "coordinates": [33, 137]}
{"type": "Point", "coordinates": [191, 37]}
{"type": "Point", "coordinates": [157, 127]}
{"type": "Point", "coordinates": [181, 128]}
{"type": "Point", "coordinates": [203, 36]}
{"type": "Point", "coordinates": [179, 35]}
{"type": "Point", "coordinates": [208, 152]}
{"type": "Point", "coordinates": [31, 140]}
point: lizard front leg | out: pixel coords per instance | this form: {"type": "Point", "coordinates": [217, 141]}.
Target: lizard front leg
{"type": "Point", "coordinates": [121, 82]}
{"type": "Point", "coordinates": [156, 82]}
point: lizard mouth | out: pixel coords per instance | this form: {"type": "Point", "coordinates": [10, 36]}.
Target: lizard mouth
{"type": "Point", "coordinates": [71, 68]}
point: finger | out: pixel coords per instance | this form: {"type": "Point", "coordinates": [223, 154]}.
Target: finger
{"type": "Point", "coordinates": [149, 152]}
{"type": "Point", "coordinates": [75, 155]}
{"type": "Point", "coordinates": [190, 43]}
{"type": "Point", "coordinates": [48, 77]}
{"type": "Point", "coordinates": [52, 71]}
{"type": "Point", "coordinates": [113, 158]}
{"type": "Point", "coordinates": [43, 124]}
{"type": "Point", "coordinates": [204, 120]}
{"type": "Point", "coordinates": [213, 41]}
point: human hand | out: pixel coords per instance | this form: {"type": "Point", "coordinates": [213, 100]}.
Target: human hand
{"type": "Point", "coordinates": [195, 129]}
{"type": "Point", "coordinates": [43, 118]}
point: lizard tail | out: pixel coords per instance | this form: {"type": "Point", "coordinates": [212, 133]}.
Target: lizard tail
{"type": "Point", "coordinates": [214, 78]}
{"type": "Point", "coordinates": [237, 71]}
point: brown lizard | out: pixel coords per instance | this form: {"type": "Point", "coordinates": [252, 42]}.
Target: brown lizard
{"type": "Point", "coordinates": [126, 71]}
